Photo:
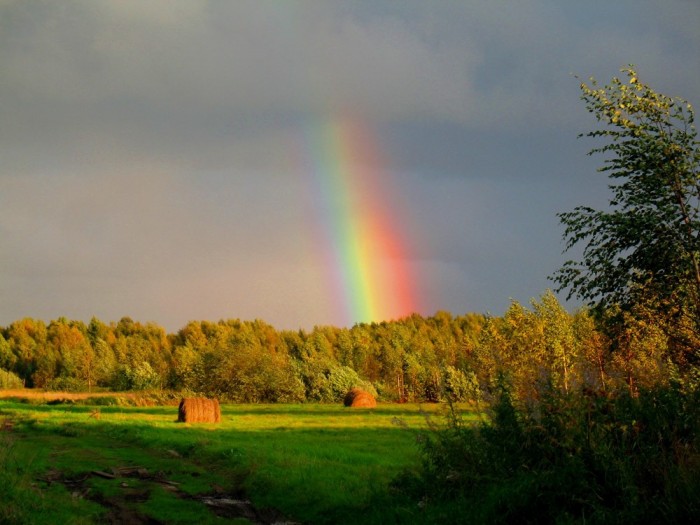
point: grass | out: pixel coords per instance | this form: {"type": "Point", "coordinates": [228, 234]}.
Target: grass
{"type": "Point", "coordinates": [312, 463]}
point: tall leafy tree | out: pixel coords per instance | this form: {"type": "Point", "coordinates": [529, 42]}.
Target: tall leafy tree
{"type": "Point", "coordinates": [7, 358]}
{"type": "Point", "coordinates": [645, 247]}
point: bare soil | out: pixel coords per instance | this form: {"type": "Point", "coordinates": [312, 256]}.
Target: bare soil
{"type": "Point", "coordinates": [121, 506]}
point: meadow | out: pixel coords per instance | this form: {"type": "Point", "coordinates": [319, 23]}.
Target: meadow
{"type": "Point", "coordinates": [97, 460]}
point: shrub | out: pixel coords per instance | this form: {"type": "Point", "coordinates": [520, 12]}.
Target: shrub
{"type": "Point", "coordinates": [10, 380]}
{"type": "Point", "coordinates": [342, 379]}
{"type": "Point", "coordinates": [67, 384]}
{"type": "Point", "coordinates": [457, 385]}
{"type": "Point", "coordinates": [138, 377]}
{"type": "Point", "coordinates": [329, 383]}
{"type": "Point", "coordinates": [105, 401]}
{"type": "Point", "coordinates": [578, 457]}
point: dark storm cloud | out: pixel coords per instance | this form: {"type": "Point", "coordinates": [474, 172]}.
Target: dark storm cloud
{"type": "Point", "coordinates": [149, 152]}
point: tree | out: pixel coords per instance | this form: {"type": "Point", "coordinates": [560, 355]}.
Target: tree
{"type": "Point", "coordinates": [645, 247]}
{"type": "Point", "coordinates": [7, 358]}
{"type": "Point", "coordinates": [27, 340]}
{"type": "Point", "coordinates": [76, 356]}
{"type": "Point", "coordinates": [560, 345]}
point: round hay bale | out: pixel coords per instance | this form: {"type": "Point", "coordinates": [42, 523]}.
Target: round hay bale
{"type": "Point", "coordinates": [199, 410]}
{"type": "Point", "coordinates": [358, 398]}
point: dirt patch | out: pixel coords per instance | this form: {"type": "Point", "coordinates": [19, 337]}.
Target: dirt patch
{"type": "Point", "coordinates": [229, 507]}
{"type": "Point", "coordinates": [122, 507]}
{"type": "Point", "coordinates": [120, 511]}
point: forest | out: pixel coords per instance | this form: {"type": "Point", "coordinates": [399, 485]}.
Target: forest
{"type": "Point", "coordinates": [412, 359]}
{"type": "Point", "coordinates": [243, 361]}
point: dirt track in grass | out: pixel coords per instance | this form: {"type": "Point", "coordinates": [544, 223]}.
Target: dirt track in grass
{"type": "Point", "coordinates": [121, 505]}
{"type": "Point", "coordinates": [126, 490]}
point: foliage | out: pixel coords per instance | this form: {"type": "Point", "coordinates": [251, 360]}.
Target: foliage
{"type": "Point", "coordinates": [594, 418]}
{"type": "Point", "coordinates": [458, 387]}
{"type": "Point", "coordinates": [67, 384]}
{"type": "Point", "coordinates": [541, 347]}
{"type": "Point", "coordinates": [574, 421]}
{"type": "Point", "coordinates": [574, 459]}
{"type": "Point", "coordinates": [9, 380]}
{"type": "Point", "coordinates": [246, 361]}
{"type": "Point", "coordinates": [645, 248]}
{"type": "Point", "coordinates": [141, 376]}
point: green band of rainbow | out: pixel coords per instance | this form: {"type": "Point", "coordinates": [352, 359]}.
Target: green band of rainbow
{"type": "Point", "coordinates": [370, 270]}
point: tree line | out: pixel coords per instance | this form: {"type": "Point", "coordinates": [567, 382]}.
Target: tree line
{"type": "Point", "coordinates": [241, 361]}
{"type": "Point", "coordinates": [412, 359]}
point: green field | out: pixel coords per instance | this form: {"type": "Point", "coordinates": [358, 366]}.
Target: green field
{"type": "Point", "coordinates": [69, 463]}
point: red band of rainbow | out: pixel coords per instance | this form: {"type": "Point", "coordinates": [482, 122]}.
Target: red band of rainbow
{"type": "Point", "coordinates": [372, 276]}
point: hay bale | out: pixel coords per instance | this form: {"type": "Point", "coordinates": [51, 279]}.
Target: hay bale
{"type": "Point", "coordinates": [358, 398]}
{"type": "Point", "coordinates": [199, 410]}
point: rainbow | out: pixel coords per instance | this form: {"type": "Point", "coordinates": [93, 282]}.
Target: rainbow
{"type": "Point", "coordinates": [364, 250]}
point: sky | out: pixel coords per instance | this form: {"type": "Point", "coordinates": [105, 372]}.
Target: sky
{"type": "Point", "coordinates": [167, 160]}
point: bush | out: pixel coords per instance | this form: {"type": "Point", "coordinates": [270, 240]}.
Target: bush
{"type": "Point", "coordinates": [138, 377]}
{"type": "Point", "coordinates": [9, 380]}
{"type": "Point", "coordinates": [572, 458]}
{"type": "Point", "coordinates": [105, 401]}
{"type": "Point", "coordinates": [329, 383]}
{"type": "Point", "coordinates": [342, 379]}
{"type": "Point", "coordinates": [67, 384]}
{"type": "Point", "coordinates": [457, 386]}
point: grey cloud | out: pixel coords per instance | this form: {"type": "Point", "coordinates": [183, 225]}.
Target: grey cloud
{"type": "Point", "coordinates": [151, 152]}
